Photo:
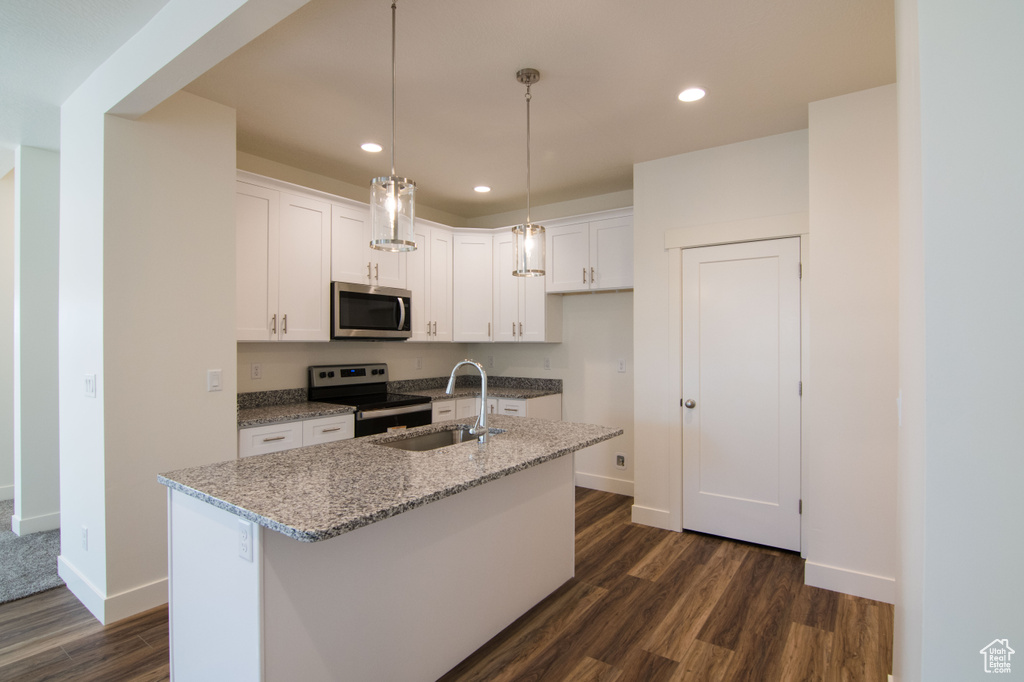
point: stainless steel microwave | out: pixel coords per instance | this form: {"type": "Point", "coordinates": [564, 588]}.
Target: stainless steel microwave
{"type": "Point", "coordinates": [363, 312]}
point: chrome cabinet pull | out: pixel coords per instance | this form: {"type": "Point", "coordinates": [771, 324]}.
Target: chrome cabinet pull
{"type": "Point", "coordinates": [267, 440]}
{"type": "Point", "coordinates": [488, 330]}
{"type": "Point", "coordinates": [376, 272]}
{"type": "Point", "coordinates": [435, 329]}
{"type": "Point", "coordinates": [336, 428]}
{"type": "Point", "coordinates": [513, 329]}
{"type": "Point", "coordinates": [368, 275]}
{"type": "Point", "coordinates": [520, 330]}
{"type": "Point", "coordinates": [592, 275]}
{"type": "Point", "coordinates": [584, 275]}
{"type": "Point", "coordinates": [284, 323]}
{"type": "Point", "coordinates": [428, 329]}
{"type": "Point", "coordinates": [273, 324]}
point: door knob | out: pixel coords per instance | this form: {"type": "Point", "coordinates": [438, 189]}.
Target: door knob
{"type": "Point", "coordinates": [690, 404]}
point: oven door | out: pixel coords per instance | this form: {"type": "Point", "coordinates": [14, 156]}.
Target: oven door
{"type": "Point", "coordinates": [364, 312]}
{"type": "Point", "coordinates": [369, 422]}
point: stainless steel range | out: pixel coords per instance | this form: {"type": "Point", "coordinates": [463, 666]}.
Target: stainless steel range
{"type": "Point", "coordinates": [365, 387]}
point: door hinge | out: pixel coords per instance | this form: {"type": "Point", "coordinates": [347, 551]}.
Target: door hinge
{"type": "Point", "coordinates": [800, 270]}
{"type": "Point", "coordinates": [800, 507]}
{"type": "Point", "coordinates": [799, 388]}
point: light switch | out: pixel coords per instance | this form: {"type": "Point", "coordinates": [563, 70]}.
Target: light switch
{"type": "Point", "coordinates": [213, 380]}
{"type": "Point", "coordinates": [90, 385]}
{"type": "Point", "coordinates": [622, 365]}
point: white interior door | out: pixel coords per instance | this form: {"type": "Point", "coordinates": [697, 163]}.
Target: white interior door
{"type": "Point", "coordinates": [741, 374]}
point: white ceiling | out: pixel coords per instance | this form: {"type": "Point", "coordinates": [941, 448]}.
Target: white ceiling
{"type": "Point", "coordinates": [313, 88]}
{"type": "Point", "coordinates": [47, 49]}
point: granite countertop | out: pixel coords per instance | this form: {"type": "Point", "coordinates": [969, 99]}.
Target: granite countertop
{"type": "Point", "coordinates": [279, 414]}
{"type": "Point", "coordinates": [321, 491]}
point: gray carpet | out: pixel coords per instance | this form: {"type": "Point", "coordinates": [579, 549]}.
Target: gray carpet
{"type": "Point", "coordinates": [28, 564]}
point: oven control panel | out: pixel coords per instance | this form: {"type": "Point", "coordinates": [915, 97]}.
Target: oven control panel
{"type": "Point", "coordinates": [322, 376]}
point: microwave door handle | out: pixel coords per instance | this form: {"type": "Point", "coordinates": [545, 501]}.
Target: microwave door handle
{"type": "Point", "coordinates": [401, 316]}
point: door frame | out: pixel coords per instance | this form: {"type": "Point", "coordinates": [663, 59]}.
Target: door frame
{"type": "Point", "coordinates": [756, 229]}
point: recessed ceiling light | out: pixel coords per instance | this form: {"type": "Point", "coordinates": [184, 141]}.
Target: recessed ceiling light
{"type": "Point", "coordinates": [691, 94]}
{"type": "Point", "coordinates": [371, 147]}
{"type": "Point", "coordinates": [481, 189]}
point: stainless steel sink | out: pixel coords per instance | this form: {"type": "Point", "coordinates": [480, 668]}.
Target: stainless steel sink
{"type": "Point", "coordinates": [438, 439]}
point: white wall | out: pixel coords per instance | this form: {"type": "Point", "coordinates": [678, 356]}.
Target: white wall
{"type": "Point", "coordinates": [7, 336]}
{"type": "Point", "coordinates": [961, 482]}
{"type": "Point", "coordinates": [748, 180]}
{"type": "Point", "coordinates": [850, 434]}
{"type": "Point", "coordinates": [597, 332]}
{"type": "Point", "coordinates": [36, 478]}
{"type": "Point", "coordinates": [283, 365]}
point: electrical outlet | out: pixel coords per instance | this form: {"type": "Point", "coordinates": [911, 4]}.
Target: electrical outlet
{"type": "Point", "coordinates": [620, 460]}
{"type": "Point", "coordinates": [547, 363]}
{"type": "Point", "coordinates": [245, 539]}
{"type": "Point", "coordinates": [255, 371]}
{"type": "Point", "coordinates": [90, 385]}
{"type": "Point", "coordinates": [490, 362]}
{"type": "Point", "coordinates": [85, 538]}
{"type": "Point", "coordinates": [214, 380]}
{"type": "Point", "coordinates": [418, 363]}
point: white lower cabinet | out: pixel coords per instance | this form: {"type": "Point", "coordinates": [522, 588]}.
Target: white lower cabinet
{"type": "Point", "coordinates": [442, 410]}
{"type": "Point", "coordinates": [545, 407]}
{"type": "Point", "coordinates": [263, 440]}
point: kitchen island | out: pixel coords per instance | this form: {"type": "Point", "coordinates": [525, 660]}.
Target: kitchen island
{"type": "Point", "coordinates": [356, 560]}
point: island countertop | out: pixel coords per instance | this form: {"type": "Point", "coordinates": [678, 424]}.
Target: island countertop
{"type": "Point", "coordinates": [318, 492]}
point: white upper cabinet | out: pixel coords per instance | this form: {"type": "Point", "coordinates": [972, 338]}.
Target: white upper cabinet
{"type": "Point", "coordinates": [352, 259]}
{"type": "Point", "coordinates": [283, 251]}
{"type": "Point", "coordinates": [472, 285]}
{"type": "Point", "coordinates": [429, 276]}
{"type": "Point", "coordinates": [591, 256]}
{"type": "Point", "coordinates": [522, 311]}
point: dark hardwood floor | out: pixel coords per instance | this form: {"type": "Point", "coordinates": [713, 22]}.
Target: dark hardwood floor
{"type": "Point", "coordinates": [646, 605]}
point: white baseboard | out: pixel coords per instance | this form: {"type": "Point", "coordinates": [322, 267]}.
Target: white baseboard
{"type": "Point", "coordinates": [6, 492]}
{"type": "Point", "coordinates": [111, 609]}
{"type": "Point", "coordinates": [605, 484]}
{"type": "Point", "coordinates": [658, 518]}
{"type": "Point", "coordinates": [35, 524]}
{"type": "Point", "coordinates": [846, 581]}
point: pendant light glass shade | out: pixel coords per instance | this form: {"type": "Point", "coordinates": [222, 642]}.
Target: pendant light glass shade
{"type": "Point", "coordinates": [529, 250]}
{"type": "Point", "coordinates": [393, 199]}
{"type": "Point", "coordinates": [528, 237]}
{"type": "Point", "coordinates": [393, 214]}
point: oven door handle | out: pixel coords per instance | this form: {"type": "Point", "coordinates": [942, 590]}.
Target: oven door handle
{"type": "Point", "coordinates": [390, 412]}
{"type": "Point", "coordinates": [401, 316]}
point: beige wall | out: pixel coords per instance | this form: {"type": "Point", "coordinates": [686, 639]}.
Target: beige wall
{"type": "Point", "coordinates": [850, 431]}
{"type": "Point", "coordinates": [7, 336]}
{"type": "Point", "coordinates": [763, 178]}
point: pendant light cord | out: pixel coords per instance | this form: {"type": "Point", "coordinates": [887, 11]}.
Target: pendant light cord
{"type": "Point", "coordinates": [528, 155]}
{"type": "Point", "coordinates": [394, 77]}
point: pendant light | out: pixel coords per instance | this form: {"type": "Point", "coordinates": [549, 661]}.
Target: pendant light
{"type": "Point", "coordinates": [392, 199]}
{"type": "Point", "coordinates": [529, 238]}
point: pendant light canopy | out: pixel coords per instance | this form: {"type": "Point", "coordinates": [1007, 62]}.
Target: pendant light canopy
{"type": "Point", "coordinates": [393, 199]}
{"type": "Point", "coordinates": [529, 238]}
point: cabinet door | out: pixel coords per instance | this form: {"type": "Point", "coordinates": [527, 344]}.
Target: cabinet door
{"type": "Point", "coordinates": [506, 289]}
{"type": "Point", "coordinates": [262, 440]}
{"type": "Point", "coordinates": [418, 272]}
{"type": "Point", "coordinates": [257, 212]}
{"type": "Point", "coordinates": [387, 267]}
{"type": "Point", "coordinates": [533, 302]}
{"type": "Point", "coordinates": [349, 245]}
{"type": "Point", "coordinates": [568, 254]}
{"type": "Point", "coordinates": [467, 407]}
{"type": "Point", "coordinates": [471, 301]}
{"type": "Point", "coordinates": [611, 253]}
{"type": "Point", "coordinates": [440, 255]}
{"type": "Point", "coordinates": [328, 429]}
{"type": "Point", "coordinates": [305, 269]}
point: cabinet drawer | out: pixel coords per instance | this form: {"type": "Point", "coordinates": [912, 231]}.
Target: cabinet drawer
{"type": "Point", "coordinates": [442, 410]}
{"type": "Point", "coordinates": [512, 408]}
{"type": "Point", "coordinates": [262, 440]}
{"type": "Point", "coordinates": [328, 429]}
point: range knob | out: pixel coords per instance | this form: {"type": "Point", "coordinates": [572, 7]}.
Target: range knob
{"type": "Point", "coordinates": [330, 374]}
{"type": "Point", "coordinates": [323, 375]}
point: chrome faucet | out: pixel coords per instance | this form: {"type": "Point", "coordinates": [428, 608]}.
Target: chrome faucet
{"type": "Point", "coordinates": [480, 428]}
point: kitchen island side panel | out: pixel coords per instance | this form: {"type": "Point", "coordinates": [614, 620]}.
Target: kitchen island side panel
{"type": "Point", "coordinates": [409, 597]}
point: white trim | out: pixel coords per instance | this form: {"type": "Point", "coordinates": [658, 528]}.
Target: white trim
{"type": "Point", "coordinates": [844, 580]}
{"type": "Point", "coordinates": [618, 486]}
{"type": "Point", "coordinates": [35, 524]}
{"type": "Point", "coordinates": [6, 492]}
{"type": "Point", "coordinates": [111, 609]}
{"type": "Point", "coordinates": [805, 376]}
{"type": "Point", "coordinates": [673, 416]}
{"type": "Point", "coordinates": [751, 229]}
{"type": "Point", "coordinates": [656, 518]}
